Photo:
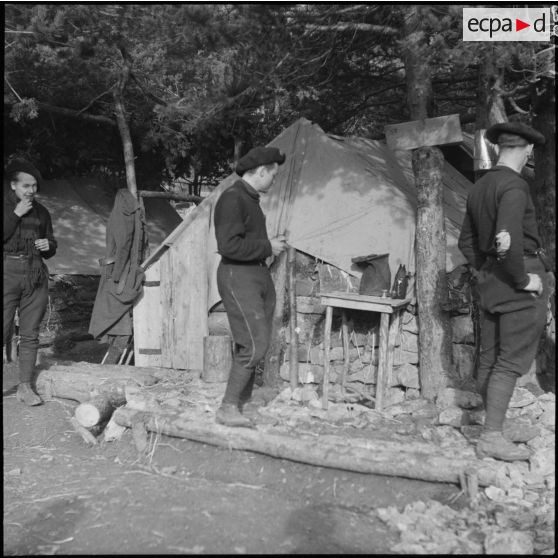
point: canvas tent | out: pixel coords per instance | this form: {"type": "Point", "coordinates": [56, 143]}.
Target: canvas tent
{"type": "Point", "coordinates": [80, 209]}
{"type": "Point", "coordinates": [336, 198]}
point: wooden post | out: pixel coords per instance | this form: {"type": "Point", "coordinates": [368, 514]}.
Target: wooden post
{"type": "Point", "coordinates": [345, 337]}
{"type": "Point", "coordinates": [293, 344]}
{"type": "Point", "coordinates": [327, 341]}
{"type": "Point", "coordinates": [272, 364]}
{"type": "Point", "coordinates": [217, 355]}
{"type": "Point", "coordinates": [382, 361]}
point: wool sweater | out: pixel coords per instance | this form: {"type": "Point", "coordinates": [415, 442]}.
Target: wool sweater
{"type": "Point", "coordinates": [240, 224]}
{"type": "Point", "coordinates": [14, 242]}
{"type": "Point", "coordinates": [499, 201]}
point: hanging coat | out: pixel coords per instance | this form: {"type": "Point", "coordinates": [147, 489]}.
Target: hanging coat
{"type": "Point", "coordinates": [121, 274]}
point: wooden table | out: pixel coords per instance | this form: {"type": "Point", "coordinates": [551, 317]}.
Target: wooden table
{"type": "Point", "coordinates": [390, 309]}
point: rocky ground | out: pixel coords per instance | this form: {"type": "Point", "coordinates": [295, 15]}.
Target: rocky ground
{"type": "Point", "coordinates": [62, 496]}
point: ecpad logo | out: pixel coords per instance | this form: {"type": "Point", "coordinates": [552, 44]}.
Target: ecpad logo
{"type": "Point", "coordinates": [507, 24]}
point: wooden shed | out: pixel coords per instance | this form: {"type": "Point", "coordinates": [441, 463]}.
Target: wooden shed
{"type": "Point", "coordinates": [336, 198]}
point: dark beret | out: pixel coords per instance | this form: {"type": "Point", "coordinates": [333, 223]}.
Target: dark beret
{"type": "Point", "coordinates": [20, 165]}
{"type": "Point", "coordinates": [506, 133]}
{"type": "Point", "coordinates": [259, 156]}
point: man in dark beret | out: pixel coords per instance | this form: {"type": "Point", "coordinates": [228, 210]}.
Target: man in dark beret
{"type": "Point", "coordinates": [243, 279]}
{"type": "Point", "coordinates": [28, 239]}
{"type": "Point", "coordinates": [499, 238]}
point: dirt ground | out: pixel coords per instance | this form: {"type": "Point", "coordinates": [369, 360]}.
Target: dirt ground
{"type": "Point", "coordinates": [64, 497]}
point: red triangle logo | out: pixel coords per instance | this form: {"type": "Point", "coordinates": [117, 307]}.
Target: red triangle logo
{"type": "Point", "coordinates": [519, 25]}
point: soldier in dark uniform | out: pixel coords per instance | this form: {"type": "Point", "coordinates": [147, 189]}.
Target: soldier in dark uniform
{"type": "Point", "coordinates": [243, 279]}
{"type": "Point", "coordinates": [499, 238]}
{"type": "Point", "coordinates": [28, 239]}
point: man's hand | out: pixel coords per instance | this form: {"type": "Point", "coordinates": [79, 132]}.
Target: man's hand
{"type": "Point", "coordinates": [23, 207]}
{"type": "Point", "coordinates": [278, 244]}
{"type": "Point", "coordinates": [42, 244]}
{"type": "Point", "coordinates": [535, 284]}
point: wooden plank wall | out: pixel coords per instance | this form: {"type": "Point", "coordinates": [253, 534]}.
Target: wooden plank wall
{"type": "Point", "coordinates": [147, 321]}
{"type": "Point", "coordinates": [184, 291]}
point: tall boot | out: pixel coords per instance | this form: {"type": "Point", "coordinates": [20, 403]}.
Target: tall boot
{"type": "Point", "coordinates": [25, 393]}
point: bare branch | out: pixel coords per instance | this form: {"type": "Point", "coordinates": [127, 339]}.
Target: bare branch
{"type": "Point", "coordinates": [349, 26]}
{"type": "Point", "coordinates": [517, 108]}
{"type": "Point", "coordinates": [95, 99]}
{"type": "Point", "coordinates": [13, 90]}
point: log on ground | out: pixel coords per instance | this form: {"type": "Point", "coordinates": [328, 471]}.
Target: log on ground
{"type": "Point", "coordinates": [80, 381]}
{"type": "Point", "coordinates": [94, 412]}
{"type": "Point", "coordinates": [416, 460]}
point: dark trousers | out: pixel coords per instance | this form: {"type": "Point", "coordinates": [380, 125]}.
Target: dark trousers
{"type": "Point", "coordinates": [248, 295]}
{"type": "Point", "coordinates": [32, 303]}
{"type": "Point", "coordinates": [511, 328]}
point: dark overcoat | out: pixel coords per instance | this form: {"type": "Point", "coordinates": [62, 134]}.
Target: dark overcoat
{"type": "Point", "coordinates": [121, 272]}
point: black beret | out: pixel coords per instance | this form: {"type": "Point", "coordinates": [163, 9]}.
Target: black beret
{"type": "Point", "coordinates": [20, 165]}
{"type": "Point", "coordinates": [259, 156]}
{"type": "Point", "coordinates": [503, 134]}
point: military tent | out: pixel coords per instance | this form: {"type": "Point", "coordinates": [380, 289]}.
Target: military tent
{"type": "Point", "coordinates": [336, 198]}
{"type": "Point", "coordinates": [80, 209]}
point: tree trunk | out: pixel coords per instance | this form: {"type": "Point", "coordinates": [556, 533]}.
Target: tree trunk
{"type": "Point", "coordinates": [430, 247]}
{"type": "Point", "coordinates": [217, 357]}
{"type": "Point", "coordinates": [434, 334]}
{"type": "Point", "coordinates": [490, 103]}
{"type": "Point", "coordinates": [124, 129]}
{"type": "Point", "coordinates": [545, 205]}
{"type": "Point", "coordinates": [416, 460]}
{"type": "Point", "coordinates": [81, 381]}
{"type": "Point", "coordinates": [273, 357]}
{"type": "Point", "coordinates": [293, 335]}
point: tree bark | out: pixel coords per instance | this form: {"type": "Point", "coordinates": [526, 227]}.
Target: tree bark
{"type": "Point", "coordinates": [430, 247]}
{"type": "Point", "coordinates": [417, 460]}
{"type": "Point", "coordinates": [293, 340]}
{"type": "Point", "coordinates": [124, 129]}
{"type": "Point", "coordinates": [545, 205]}
{"type": "Point", "coordinates": [434, 335]}
{"type": "Point", "coordinates": [272, 359]}
{"type": "Point", "coordinates": [490, 103]}
{"type": "Point", "coordinates": [81, 381]}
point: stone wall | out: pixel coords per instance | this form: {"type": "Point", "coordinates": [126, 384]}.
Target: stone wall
{"type": "Point", "coordinates": [312, 277]}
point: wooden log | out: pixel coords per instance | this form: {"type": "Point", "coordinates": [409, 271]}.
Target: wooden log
{"type": "Point", "coordinates": [88, 437]}
{"type": "Point", "coordinates": [80, 381]}
{"type": "Point", "coordinates": [272, 363]}
{"type": "Point", "coordinates": [171, 196]}
{"type": "Point", "coordinates": [414, 460]}
{"type": "Point", "coordinates": [96, 411]}
{"type": "Point", "coordinates": [113, 431]}
{"type": "Point", "coordinates": [293, 335]}
{"type": "Point", "coordinates": [382, 361]}
{"type": "Point", "coordinates": [327, 343]}
{"type": "Point", "coordinates": [217, 357]}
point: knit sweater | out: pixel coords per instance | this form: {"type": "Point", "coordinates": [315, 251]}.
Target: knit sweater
{"type": "Point", "coordinates": [14, 240]}
{"type": "Point", "coordinates": [500, 200]}
{"type": "Point", "coordinates": [240, 224]}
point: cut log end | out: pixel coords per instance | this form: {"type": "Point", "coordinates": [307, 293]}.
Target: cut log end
{"type": "Point", "coordinates": [97, 410]}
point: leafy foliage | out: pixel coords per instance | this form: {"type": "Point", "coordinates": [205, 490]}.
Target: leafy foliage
{"type": "Point", "coordinates": [208, 81]}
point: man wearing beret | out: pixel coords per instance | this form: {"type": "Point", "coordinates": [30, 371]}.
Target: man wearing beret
{"type": "Point", "coordinates": [243, 279]}
{"type": "Point", "coordinates": [499, 238]}
{"type": "Point", "coordinates": [28, 238]}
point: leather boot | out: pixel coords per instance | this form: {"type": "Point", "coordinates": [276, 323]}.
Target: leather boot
{"type": "Point", "coordinates": [493, 444]}
{"type": "Point", "coordinates": [26, 395]}
{"type": "Point", "coordinates": [229, 415]}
